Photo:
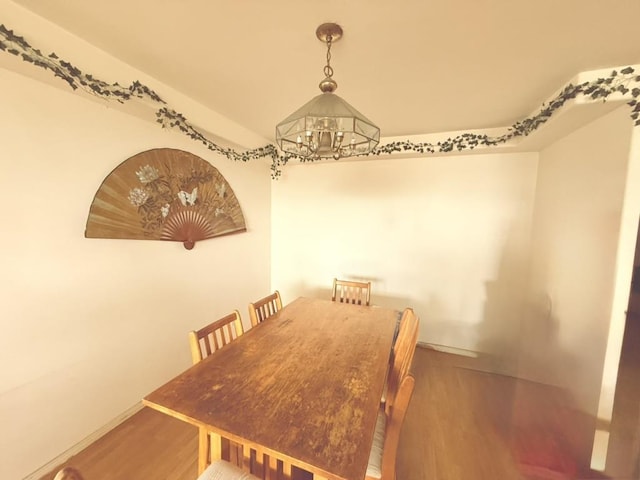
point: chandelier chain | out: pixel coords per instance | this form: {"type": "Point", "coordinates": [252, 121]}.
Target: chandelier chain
{"type": "Point", "coordinates": [328, 71]}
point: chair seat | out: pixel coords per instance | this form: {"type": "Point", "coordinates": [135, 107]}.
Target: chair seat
{"type": "Point", "coordinates": [374, 468]}
{"type": "Point", "coordinates": [222, 470]}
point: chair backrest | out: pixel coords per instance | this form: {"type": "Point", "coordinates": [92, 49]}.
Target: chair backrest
{"type": "Point", "coordinates": [265, 466]}
{"type": "Point", "coordinates": [68, 473]}
{"type": "Point", "coordinates": [403, 352]}
{"type": "Point", "coordinates": [254, 465]}
{"type": "Point", "coordinates": [346, 291]}
{"type": "Point", "coordinates": [223, 470]}
{"type": "Point", "coordinates": [214, 336]}
{"type": "Point", "coordinates": [394, 421]}
{"type": "Point", "coordinates": [262, 309]}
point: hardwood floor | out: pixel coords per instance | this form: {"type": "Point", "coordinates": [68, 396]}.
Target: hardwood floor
{"type": "Point", "coordinates": [462, 424]}
{"type": "Point", "coordinates": [148, 445]}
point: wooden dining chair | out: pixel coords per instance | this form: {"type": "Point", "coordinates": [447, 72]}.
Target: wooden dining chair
{"type": "Point", "coordinates": [223, 470]}
{"type": "Point", "coordinates": [262, 309]}
{"type": "Point", "coordinates": [214, 336]}
{"type": "Point", "coordinates": [264, 466]}
{"type": "Point", "coordinates": [255, 465]}
{"type": "Point", "coordinates": [402, 355]}
{"type": "Point", "coordinates": [382, 457]}
{"type": "Point", "coordinates": [68, 473]}
{"type": "Point", "coordinates": [347, 291]}
{"type": "Point", "coordinates": [203, 343]}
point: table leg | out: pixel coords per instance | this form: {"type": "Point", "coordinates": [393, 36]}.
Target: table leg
{"type": "Point", "coordinates": [203, 450]}
{"type": "Point", "coordinates": [287, 470]}
{"type": "Point", "coordinates": [216, 446]}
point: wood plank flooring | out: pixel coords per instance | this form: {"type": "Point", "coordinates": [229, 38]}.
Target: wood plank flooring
{"type": "Point", "coordinates": [462, 424]}
{"type": "Point", "coordinates": [148, 445]}
{"type": "Point", "coordinates": [465, 423]}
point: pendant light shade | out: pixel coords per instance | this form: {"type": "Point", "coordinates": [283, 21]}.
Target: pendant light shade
{"type": "Point", "coordinates": [327, 126]}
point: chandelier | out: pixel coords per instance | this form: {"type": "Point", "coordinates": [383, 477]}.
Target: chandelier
{"type": "Point", "coordinates": [327, 126]}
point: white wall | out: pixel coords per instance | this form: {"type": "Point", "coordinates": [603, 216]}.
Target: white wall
{"type": "Point", "coordinates": [89, 326]}
{"type": "Point", "coordinates": [576, 230]}
{"type": "Point", "coordinates": [448, 236]}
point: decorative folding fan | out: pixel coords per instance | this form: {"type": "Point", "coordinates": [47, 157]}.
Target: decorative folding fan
{"type": "Point", "coordinates": [164, 194]}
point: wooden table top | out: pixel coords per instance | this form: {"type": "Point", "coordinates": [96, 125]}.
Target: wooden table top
{"type": "Point", "coordinates": [305, 384]}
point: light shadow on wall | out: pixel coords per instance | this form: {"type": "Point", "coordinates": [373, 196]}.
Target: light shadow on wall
{"type": "Point", "coordinates": [518, 336]}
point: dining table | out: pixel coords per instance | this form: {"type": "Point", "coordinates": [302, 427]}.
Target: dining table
{"type": "Point", "coordinates": [304, 386]}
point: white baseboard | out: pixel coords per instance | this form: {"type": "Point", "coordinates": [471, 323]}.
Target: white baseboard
{"type": "Point", "coordinates": [84, 443]}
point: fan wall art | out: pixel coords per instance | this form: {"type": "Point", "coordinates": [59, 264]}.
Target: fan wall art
{"type": "Point", "coordinates": [164, 194]}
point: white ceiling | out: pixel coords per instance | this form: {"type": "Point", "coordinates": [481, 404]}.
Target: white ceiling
{"type": "Point", "coordinates": [411, 66]}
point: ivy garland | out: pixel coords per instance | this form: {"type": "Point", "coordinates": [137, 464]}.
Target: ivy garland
{"type": "Point", "coordinates": [625, 81]}
{"type": "Point", "coordinates": [165, 116]}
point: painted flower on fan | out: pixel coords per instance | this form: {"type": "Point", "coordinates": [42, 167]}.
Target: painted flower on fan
{"type": "Point", "coordinates": [138, 196]}
{"type": "Point", "coordinates": [148, 174]}
{"type": "Point", "coordinates": [165, 210]}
